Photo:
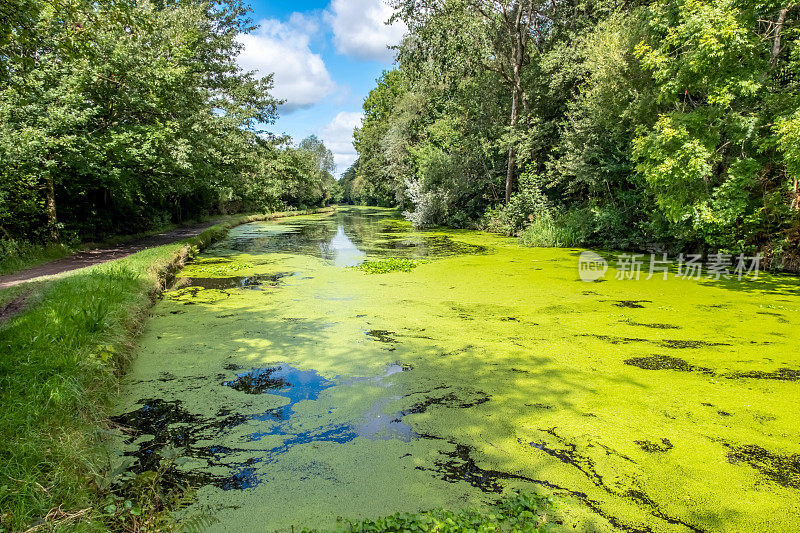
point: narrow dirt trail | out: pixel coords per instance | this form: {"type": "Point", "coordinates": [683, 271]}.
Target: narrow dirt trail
{"type": "Point", "coordinates": [101, 255]}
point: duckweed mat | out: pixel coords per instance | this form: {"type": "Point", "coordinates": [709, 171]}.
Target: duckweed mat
{"type": "Point", "coordinates": [296, 390]}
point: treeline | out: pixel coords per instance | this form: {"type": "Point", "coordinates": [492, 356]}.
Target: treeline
{"type": "Point", "coordinates": [117, 116]}
{"type": "Point", "coordinates": [638, 124]}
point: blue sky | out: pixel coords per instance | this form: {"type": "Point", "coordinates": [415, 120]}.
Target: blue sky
{"type": "Point", "coordinates": [326, 57]}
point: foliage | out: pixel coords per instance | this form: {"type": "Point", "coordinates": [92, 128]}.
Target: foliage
{"type": "Point", "coordinates": [319, 176]}
{"type": "Point", "coordinates": [121, 116]}
{"type": "Point", "coordinates": [566, 230]}
{"type": "Point", "coordinates": [390, 264]}
{"type": "Point", "coordinates": [524, 207]}
{"type": "Point", "coordinates": [519, 512]}
{"type": "Point", "coordinates": [431, 206]}
{"type": "Point", "coordinates": [16, 254]}
{"type": "Point", "coordinates": [373, 179]}
{"type": "Point", "coordinates": [672, 123]}
{"type": "Point", "coordinates": [150, 501]}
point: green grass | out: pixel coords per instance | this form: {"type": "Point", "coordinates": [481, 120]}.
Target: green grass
{"type": "Point", "coordinates": [122, 239]}
{"type": "Point", "coordinates": [11, 293]}
{"type": "Point", "coordinates": [550, 232]}
{"type": "Point", "coordinates": [61, 362]}
{"type": "Point", "coordinates": [519, 512]}
{"type": "Point", "coordinates": [16, 256]}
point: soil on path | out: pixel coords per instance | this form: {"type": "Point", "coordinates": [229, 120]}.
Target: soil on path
{"type": "Point", "coordinates": [101, 255]}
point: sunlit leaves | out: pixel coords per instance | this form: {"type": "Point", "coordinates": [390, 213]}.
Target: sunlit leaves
{"type": "Point", "coordinates": [677, 164]}
{"type": "Point", "coordinates": [136, 110]}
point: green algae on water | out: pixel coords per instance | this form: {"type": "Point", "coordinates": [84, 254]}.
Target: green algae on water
{"type": "Point", "coordinates": [486, 369]}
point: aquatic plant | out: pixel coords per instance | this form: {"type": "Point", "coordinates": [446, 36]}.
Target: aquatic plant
{"type": "Point", "coordinates": [519, 512]}
{"type": "Point", "coordinates": [151, 501]}
{"type": "Point", "coordinates": [218, 267]}
{"type": "Point", "coordinates": [391, 264]}
{"type": "Point", "coordinates": [522, 378]}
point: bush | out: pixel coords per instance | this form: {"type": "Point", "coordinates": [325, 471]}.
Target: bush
{"type": "Point", "coordinates": [522, 209]}
{"type": "Point", "coordinates": [430, 206]}
{"type": "Point", "coordinates": [570, 229]}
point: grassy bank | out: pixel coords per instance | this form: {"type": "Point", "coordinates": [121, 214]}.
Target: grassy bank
{"type": "Point", "coordinates": [18, 255]}
{"type": "Point", "coordinates": [62, 359]}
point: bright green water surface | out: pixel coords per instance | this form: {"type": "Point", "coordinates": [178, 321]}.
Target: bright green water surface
{"type": "Point", "coordinates": [299, 390]}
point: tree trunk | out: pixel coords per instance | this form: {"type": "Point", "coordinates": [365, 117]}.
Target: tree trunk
{"type": "Point", "coordinates": [511, 152]}
{"type": "Point", "coordinates": [518, 56]}
{"type": "Point", "coordinates": [50, 208]}
{"type": "Point", "coordinates": [776, 41]}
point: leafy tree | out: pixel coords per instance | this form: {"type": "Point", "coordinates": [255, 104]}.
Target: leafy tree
{"type": "Point", "coordinates": [323, 166]}
{"type": "Point", "coordinates": [116, 116]}
{"type": "Point", "coordinates": [638, 123]}
{"type": "Point", "coordinates": [497, 35]}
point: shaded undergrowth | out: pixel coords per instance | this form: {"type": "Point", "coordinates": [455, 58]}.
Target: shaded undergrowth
{"type": "Point", "coordinates": [20, 255]}
{"type": "Point", "coordinates": [16, 256]}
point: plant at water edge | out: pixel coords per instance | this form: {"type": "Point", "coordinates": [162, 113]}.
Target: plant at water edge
{"type": "Point", "coordinates": [519, 512]}
{"type": "Point", "coordinates": [564, 231]}
{"type": "Point", "coordinates": [61, 358]}
{"type": "Point", "coordinates": [153, 500]}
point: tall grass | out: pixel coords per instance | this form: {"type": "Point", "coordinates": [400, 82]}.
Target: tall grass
{"type": "Point", "coordinates": [568, 230]}
{"type": "Point", "coordinates": [60, 363]}
{"type": "Point", "coordinates": [57, 359]}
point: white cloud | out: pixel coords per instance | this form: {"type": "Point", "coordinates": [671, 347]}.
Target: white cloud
{"type": "Point", "coordinates": [359, 29]}
{"type": "Point", "coordinates": [338, 137]}
{"type": "Point", "coordinates": [283, 48]}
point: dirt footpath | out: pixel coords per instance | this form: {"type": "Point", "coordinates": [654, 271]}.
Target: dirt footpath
{"type": "Point", "coordinates": [101, 255]}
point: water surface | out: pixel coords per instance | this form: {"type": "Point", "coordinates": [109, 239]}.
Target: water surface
{"type": "Point", "coordinates": [298, 389]}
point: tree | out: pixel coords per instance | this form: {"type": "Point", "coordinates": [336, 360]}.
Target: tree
{"type": "Point", "coordinates": [502, 36]}
{"type": "Point", "coordinates": [647, 121]}
{"type": "Point", "coordinates": [322, 155]}
{"type": "Point", "coordinates": [118, 115]}
{"type": "Point", "coordinates": [323, 165]}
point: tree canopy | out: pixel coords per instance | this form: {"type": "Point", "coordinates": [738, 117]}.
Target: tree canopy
{"type": "Point", "coordinates": [118, 116]}
{"type": "Point", "coordinates": [637, 124]}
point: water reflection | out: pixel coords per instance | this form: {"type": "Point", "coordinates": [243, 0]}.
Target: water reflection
{"type": "Point", "coordinates": [373, 233]}
{"type": "Point", "coordinates": [159, 424]}
{"type": "Point", "coordinates": [341, 250]}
